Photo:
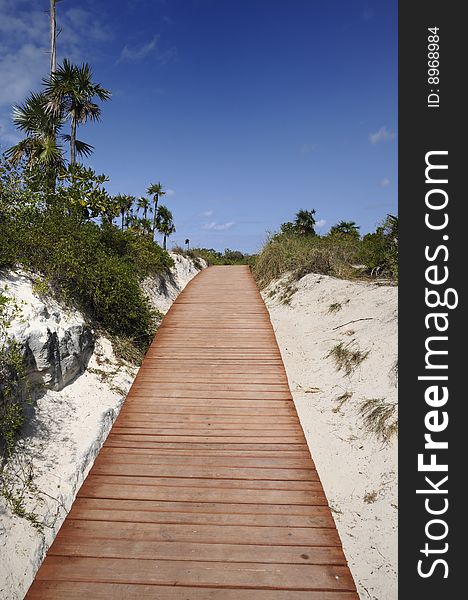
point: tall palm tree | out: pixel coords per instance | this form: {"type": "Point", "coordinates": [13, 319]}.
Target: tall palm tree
{"type": "Point", "coordinates": [165, 223]}
{"type": "Point", "coordinates": [70, 91]}
{"type": "Point", "coordinates": [40, 144]}
{"type": "Point", "coordinates": [187, 243]}
{"type": "Point", "coordinates": [156, 190]}
{"type": "Point", "coordinates": [125, 203]}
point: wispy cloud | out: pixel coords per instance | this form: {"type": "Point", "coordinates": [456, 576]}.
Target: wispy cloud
{"type": "Point", "coordinates": [170, 192]}
{"type": "Point", "coordinates": [140, 52]}
{"type": "Point", "coordinates": [320, 223]}
{"type": "Point", "coordinates": [206, 213]}
{"type": "Point", "coordinates": [382, 135]}
{"type": "Point", "coordinates": [131, 53]}
{"type": "Point", "coordinates": [307, 148]}
{"type": "Point", "coordinates": [385, 182]}
{"type": "Point", "coordinates": [219, 226]}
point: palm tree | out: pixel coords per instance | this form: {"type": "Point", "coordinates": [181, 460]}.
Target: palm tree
{"type": "Point", "coordinates": [156, 190]}
{"type": "Point", "coordinates": [345, 228]}
{"type": "Point", "coordinates": [145, 204]}
{"type": "Point", "coordinates": [40, 145]}
{"type": "Point", "coordinates": [165, 223]}
{"type": "Point", "coordinates": [187, 243]}
{"type": "Point", "coordinates": [125, 203]}
{"type": "Point", "coordinates": [70, 92]}
{"type": "Point", "coordinates": [304, 222]}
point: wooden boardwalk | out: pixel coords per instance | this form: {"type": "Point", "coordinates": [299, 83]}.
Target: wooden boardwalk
{"type": "Point", "coordinates": [205, 488]}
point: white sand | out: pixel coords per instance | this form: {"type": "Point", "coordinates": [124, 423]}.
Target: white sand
{"type": "Point", "coordinates": [358, 472]}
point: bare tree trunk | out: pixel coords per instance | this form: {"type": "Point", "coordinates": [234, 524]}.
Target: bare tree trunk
{"type": "Point", "coordinates": [53, 38]}
{"type": "Point", "coordinates": [73, 142]}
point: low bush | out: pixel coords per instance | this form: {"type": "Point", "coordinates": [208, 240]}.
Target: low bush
{"type": "Point", "coordinates": [12, 379]}
{"type": "Point", "coordinates": [301, 255]}
{"type": "Point", "coordinates": [341, 253]}
{"type": "Point", "coordinates": [213, 257]}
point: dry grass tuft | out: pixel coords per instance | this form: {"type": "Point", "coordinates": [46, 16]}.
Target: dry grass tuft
{"type": "Point", "coordinates": [347, 358]}
{"type": "Point", "coordinates": [380, 418]}
{"type": "Point", "coordinates": [340, 400]}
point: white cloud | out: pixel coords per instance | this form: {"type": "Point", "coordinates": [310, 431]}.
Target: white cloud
{"type": "Point", "coordinates": [170, 192]}
{"type": "Point", "coordinates": [135, 53]}
{"type": "Point", "coordinates": [320, 223]}
{"type": "Point", "coordinates": [219, 226]}
{"type": "Point", "coordinates": [382, 135]}
{"type": "Point", "coordinates": [206, 213]}
{"type": "Point", "coordinates": [138, 52]}
{"type": "Point", "coordinates": [385, 182]}
{"type": "Point", "coordinates": [21, 70]}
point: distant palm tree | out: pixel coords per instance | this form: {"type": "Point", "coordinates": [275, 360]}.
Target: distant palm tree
{"type": "Point", "coordinates": [187, 243]}
{"type": "Point", "coordinates": [145, 204]}
{"type": "Point", "coordinates": [304, 222]}
{"type": "Point", "coordinates": [156, 190]}
{"type": "Point", "coordinates": [165, 223]}
{"type": "Point", "coordinates": [345, 228]}
{"type": "Point", "coordinates": [125, 203]}
{"type": "Point", "coordinates": [70, 91]}
{"type": "Point", "coordinates": [40, 145]}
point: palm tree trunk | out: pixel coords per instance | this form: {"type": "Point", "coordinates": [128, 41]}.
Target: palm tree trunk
{"type": "Point", "coordinates": [165, 242]}
{"type": "Point", "coordinates": [53, 38]}
{"type": "Point", "coordinates": [123, 217]}
{"type": "Point", "coordinates": [73, 142]}
{"type": "Point", "coordinates": [156, 198]}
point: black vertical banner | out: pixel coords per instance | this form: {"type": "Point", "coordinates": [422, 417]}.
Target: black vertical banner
{"type": "Point", "coordinates": [433, 335]}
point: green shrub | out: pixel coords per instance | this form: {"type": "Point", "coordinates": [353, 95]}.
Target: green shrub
{"type": "Point", "coordinates": [12, 379]}
{"type": "Point", "coordinates": [300, 255]}
{"type": "Point", "coordinates": [379, 250]}
{"type": "Point", "coordinates": [213, 257]}
{"type": "Point", "coordinates": [98, 269]}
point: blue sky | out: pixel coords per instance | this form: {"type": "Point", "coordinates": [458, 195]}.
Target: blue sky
{"type": "Point", "coordinates": [245, 110]}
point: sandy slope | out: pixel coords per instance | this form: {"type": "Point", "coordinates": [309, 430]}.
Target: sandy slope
{"type": "Point", "coordinates": [66, 430]}
{"type": "Point", "coordinates": [358, 471]}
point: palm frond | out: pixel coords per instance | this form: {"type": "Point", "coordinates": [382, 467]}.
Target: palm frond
{"type": "Point", "coordinates": [82, 148]}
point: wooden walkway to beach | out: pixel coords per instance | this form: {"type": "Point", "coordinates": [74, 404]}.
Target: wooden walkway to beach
{"type": "Point", "coordinates": [205, 488]}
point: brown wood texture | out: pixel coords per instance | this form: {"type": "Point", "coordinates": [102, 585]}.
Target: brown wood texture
{"type": "Point", "coordinates": [205, 488]}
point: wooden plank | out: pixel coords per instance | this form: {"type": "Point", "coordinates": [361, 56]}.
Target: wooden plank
{"type": "Point", "coordinates": [138, 511]}
{"type": "Point", "coordinates": [93, 488]}
{"type": "Point", "coordinates": [110, 467]}
{"type": "Point", "coordinates": [172, 550]}
{"type": "Point", "coordinates": [74, 590]}
{"type": "Point", "coordinates": [215, 534]}
{"type": "Point", "coordinates": [201, 483]}
{"type": "Point", "coordinates": [205, 488]}
{"type": "Point", "coordinates": [197, 573]}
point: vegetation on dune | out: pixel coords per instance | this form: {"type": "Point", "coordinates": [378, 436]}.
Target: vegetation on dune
{"type": "Point", "coordinates": [214, 257]}
{"type": "Point", "coordinates": [299, 250]}
{"type": "Point", "coordinates": [94, 265]}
